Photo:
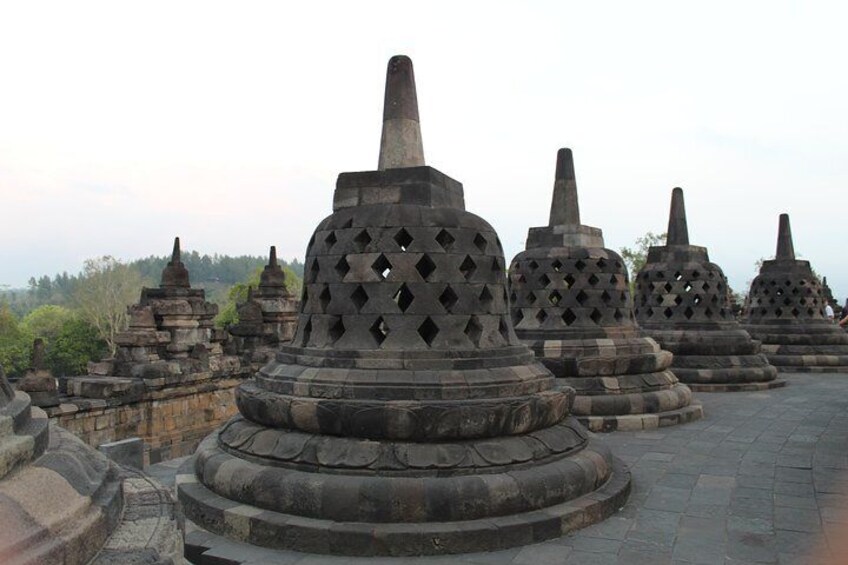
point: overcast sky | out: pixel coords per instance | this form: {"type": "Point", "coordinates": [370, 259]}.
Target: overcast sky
{"type": "Point", "coordinates": [124, 124]}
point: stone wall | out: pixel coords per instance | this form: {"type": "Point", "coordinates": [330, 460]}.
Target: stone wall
{"type": "Point", "coordinates": [172, 421]}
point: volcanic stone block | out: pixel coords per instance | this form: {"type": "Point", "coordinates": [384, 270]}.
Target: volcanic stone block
{"type": "Point", "coordinates": [405, 417]}
{"type": "Point", "coordinates": [682, 301]}
{"type": "Point", "coordinates": [785, 311]}
{"type": "Point", "coordinates": [127, 452]}
{"type": "Point", "coordinates": [570, 302]}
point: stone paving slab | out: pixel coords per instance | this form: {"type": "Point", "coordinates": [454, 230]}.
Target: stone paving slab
{"type": "Point", "coordinates": [762, 478]}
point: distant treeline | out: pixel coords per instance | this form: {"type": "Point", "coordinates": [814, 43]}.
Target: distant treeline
{"type": "Point", "coordinates": [206, 271]}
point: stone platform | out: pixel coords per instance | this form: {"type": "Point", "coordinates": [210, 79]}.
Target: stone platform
{"type": "Point", "coordinates": [763, 478]}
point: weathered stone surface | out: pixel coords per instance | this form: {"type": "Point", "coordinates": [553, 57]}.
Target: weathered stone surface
{"type": "Point", "coordinates": [405, 417]}
{"type": "Point", "coordinates": [682, 301]}
{"type": "Point", "coordinates": [785, 311]}
{"type": "Point", "coordinates": [38, 382]}
{"type": "Point", "coordinates": [570, 302]}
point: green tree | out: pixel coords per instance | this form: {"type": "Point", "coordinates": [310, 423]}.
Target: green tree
{"type": "Point", "coordinates": [76, 343]}
{"type": "Point", "coordinates": [237, 294]}
{"type": "Point", "coordinates": [15, 343]}
{"type": "Point", "coordinates": [635, 257]}
{"type": "Point", "coordinates": [47, 321]}
{"type": "Point", "coordinates": [107, 287]}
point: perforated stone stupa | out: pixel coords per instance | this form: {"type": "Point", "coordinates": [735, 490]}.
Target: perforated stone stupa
{"type": "Point", "coordinates": [570, 302]}
{"type": "Point", "coordinates": [63, 502]}
{"type": "Point", "coordinates": [785, 310]}
{"type": "Point", "coordinates": [682, 301]}
{"type": "Point", "coordinates": [405, 418]}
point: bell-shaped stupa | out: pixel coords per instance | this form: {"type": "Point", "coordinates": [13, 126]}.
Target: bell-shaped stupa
{"type": "Point", "coordinates": [405, 418]}
{"type": "Point", "coordinates": [570, 302]}
{"type": "Point", "coordinates": [682, 301]}
{"type": "Point", "coordinates": [785, 311]}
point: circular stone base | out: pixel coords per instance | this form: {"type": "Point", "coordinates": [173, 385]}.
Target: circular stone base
{"type": "Point", "coordinates": [737, 387]}
{"type": "Point", "coordinates": [812, 369]}
{"type": "Point", "coordinates": [258, 527]}
{"type": "Point", "coordinates": [635, 422]}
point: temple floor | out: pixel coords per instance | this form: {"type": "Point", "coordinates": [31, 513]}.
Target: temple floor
{"type": "Point", "coordinates": [762, 478]}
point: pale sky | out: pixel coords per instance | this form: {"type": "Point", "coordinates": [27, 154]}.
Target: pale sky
{"type": "Point", "coordinates": [124, 124]}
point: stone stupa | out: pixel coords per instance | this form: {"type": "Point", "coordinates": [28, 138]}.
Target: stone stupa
{"type": "Point", "coordinates": [570, 302]}
{"type": "Point", "coordinates": [682, 301]}
{"type": "Point", "coordinates": [63, 502]}
{"type": "Point", "coordinates": [785, 311]}
{"type": "Point", "coordinates": [405, 418]}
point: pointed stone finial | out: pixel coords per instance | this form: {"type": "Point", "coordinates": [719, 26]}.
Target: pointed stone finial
{"type": "Point", "coordinates": [400, 144]}
{"type": "Point", "coordinates": [785, 247]}
{"type": "Point", "coordinates": [272, 275]}
{"type": "Point", "coordinates": [37, 361]}
{"type": "Point", "coordinates": [564, 207]}
{"type": "Point", "coordinates": [678, 231]}
{"type": "Point", "coordinates": [175, 274]}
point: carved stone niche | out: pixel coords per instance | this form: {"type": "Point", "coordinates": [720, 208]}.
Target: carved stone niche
{"type": "Point", "coordinates": [405, 418]}
{"type": "Point", "coordinates": [682, 301]}
{"type": "Point", "coordinates": [570, 302]}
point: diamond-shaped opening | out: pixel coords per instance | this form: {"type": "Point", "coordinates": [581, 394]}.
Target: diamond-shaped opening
{"type": "Point", "coordinates": [711, 274]}
{"type": "Point", "coordinates": [706, 286]}
{"type": "Point", "coordinates": [795, 291]}
{"type": "Point", "coordinates": [569, 280]}
{"type": "Point", "coordinates": [780, 292]}
{"type": "Point", "coordinates": [714, 299]}
{"type": "Point", "coordinates": [688, 313]}
{"type": "Point", "coordinates": [722, 312]}
{"type": "Point", "coordinates": [557, 265]}
{"type": "Point", "coordinates": [513, 297]}
{"type": "Point", "coordinates": [580, 264]}
{"type": "Point", "coordinates": [403, 298]}
{"type": "Point", "coordinates": [496, 265]}
{"type": "Point", "coordinates": [622, 296]}
{"type": "Point", "coordinates": [517, 316]}
{"type": "Point", "coordinates": [809, 311]}
{"type": "Point", "coordinates": [555, 297]}
{"type": "Point", "coordinates": [359, 297]}
{"type": "Point", "coordinates": [382, 267]}
{"type": "Point", "coordinates": [541, 316]}
{"type": "Point", "coordinates": [304, 298]}
{"type": "Point", "coordinates": [307, 332]}
{"type": "Point", "coordinates": [348, 223]}
{"type": "Point", "coordinates": [428, 330]}
{"type": "Point", "coordinates": [486, 297]}
{"type": "Point", "coordinates": [696, 274]}
{"type": "Point", "coordinates": [668, 312]}
{"type": "Point", "coordinates": [708, 313]}
{"type": "Point", "coordinates": [778, 312]}
{"type": "Point", "coordinates": [618, 315]}
{"type": "Point", "coordinates": [568, 317]}
{"type": "Point", "coordinates": [678, 276]}
{"type": "Point", "coordinates": [678, 299]}
{"type": "Point", "coordinates": [803, 301]}
{"type": "Point", "coordinates": [697, 299]}
{"type": "Point", "coordinates": [596, 315]}
{"type": "Point", "coordinates": [581, 297]}
{"type": "Point", "coordinates": [687, 287]}
{"type": "Point", "coordinates": [593, 280]}
{"type": "Point", "coordinates": [602, 263]}
{"type": "Point", "coordinates": [337, 330]}
{"type": "Point", "coordinates": [795, 312]}
{"type": "Point", "coordinates": [379, 330]}
{"type": "Point", "coordinates": [313, 270]}
{"type": "Point", "coordinates": [342, 267]}
{"type": "Point", "coordinates": [330, 240]}
{"type": "Point", "coordinates": [474, 330]}
{"type": "Point", "coordinates": [425, 266]}
{"type": "Point", "coordinates": [787, 301]}
{"type": "Point", "coordinates": [403, 239]}
{"type": "Point", "coordinates": [325, 298]}
{"type": "Point", "coordinates": [545, 280]}
{"type": "Point", "coordinates": [605, 296]}
{"type": "Point", "coordinates": [787, 282]}
{"type": "Point", "coordinates": [658, 298]}
{"type": "Point", "coordinates": [772, 283]}
{"type": "Point", "coordinates": [445, 239]}
{"type": "Point", "coordinates": [660, 274]}
{"type": "Point", "coordinates": [531, 297]}
{"type": "Point", "coordinates": [668, 287]}
{"type": "Point", "coordinates": [614, 280]}
{"type": "Point", "coordinates": [533, 265]}
{"type": "Point", "coordinates": [649, 312]}
{"type": "Point", "coordinates": [480, 242]}
{"type": "Point", "coordinates": [362, 240]}
{"type": "Point", "coordinates": [448, 298]}
{"type": "Point", "coordinates": [467, 267]}
{"type": "Point", "coordinates": [503, 329]}
{"type": "Point", "coordinates": [521, 279]}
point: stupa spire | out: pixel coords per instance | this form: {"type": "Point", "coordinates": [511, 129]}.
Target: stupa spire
{"type": "Point", "coordinates": [785, 247]}
{"type": "Point", "coordinates": [678, 231]}
{"type": "Point", "coordinates": [272, 261]}
{"type": "Point", "coordinates": [175, 274]}
{"type": "Point", "coordinates": [175, 254]}
{"type": "Point", "coordinates": [400, 145]}
{"type": "Point", "coordinates": [564, 206]}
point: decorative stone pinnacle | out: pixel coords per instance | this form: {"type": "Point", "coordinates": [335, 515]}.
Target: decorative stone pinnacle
{"type": "Point", "coordinates": [400, 145]}
{"type": "Point", "coordinates": [272, 275]}
{"type": "Point", "coordinates": [272, 261]}
{"type": "Point", "coordinates": [175, 274]}
{"type": "Point", "coordinates": [565, 209]}
{"type": "Point", "coordinates": [37, 362]}
{"type": "Point", "coordinates": [678, 231]}
{"type": "Point", "coordinates": [785, 247]}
